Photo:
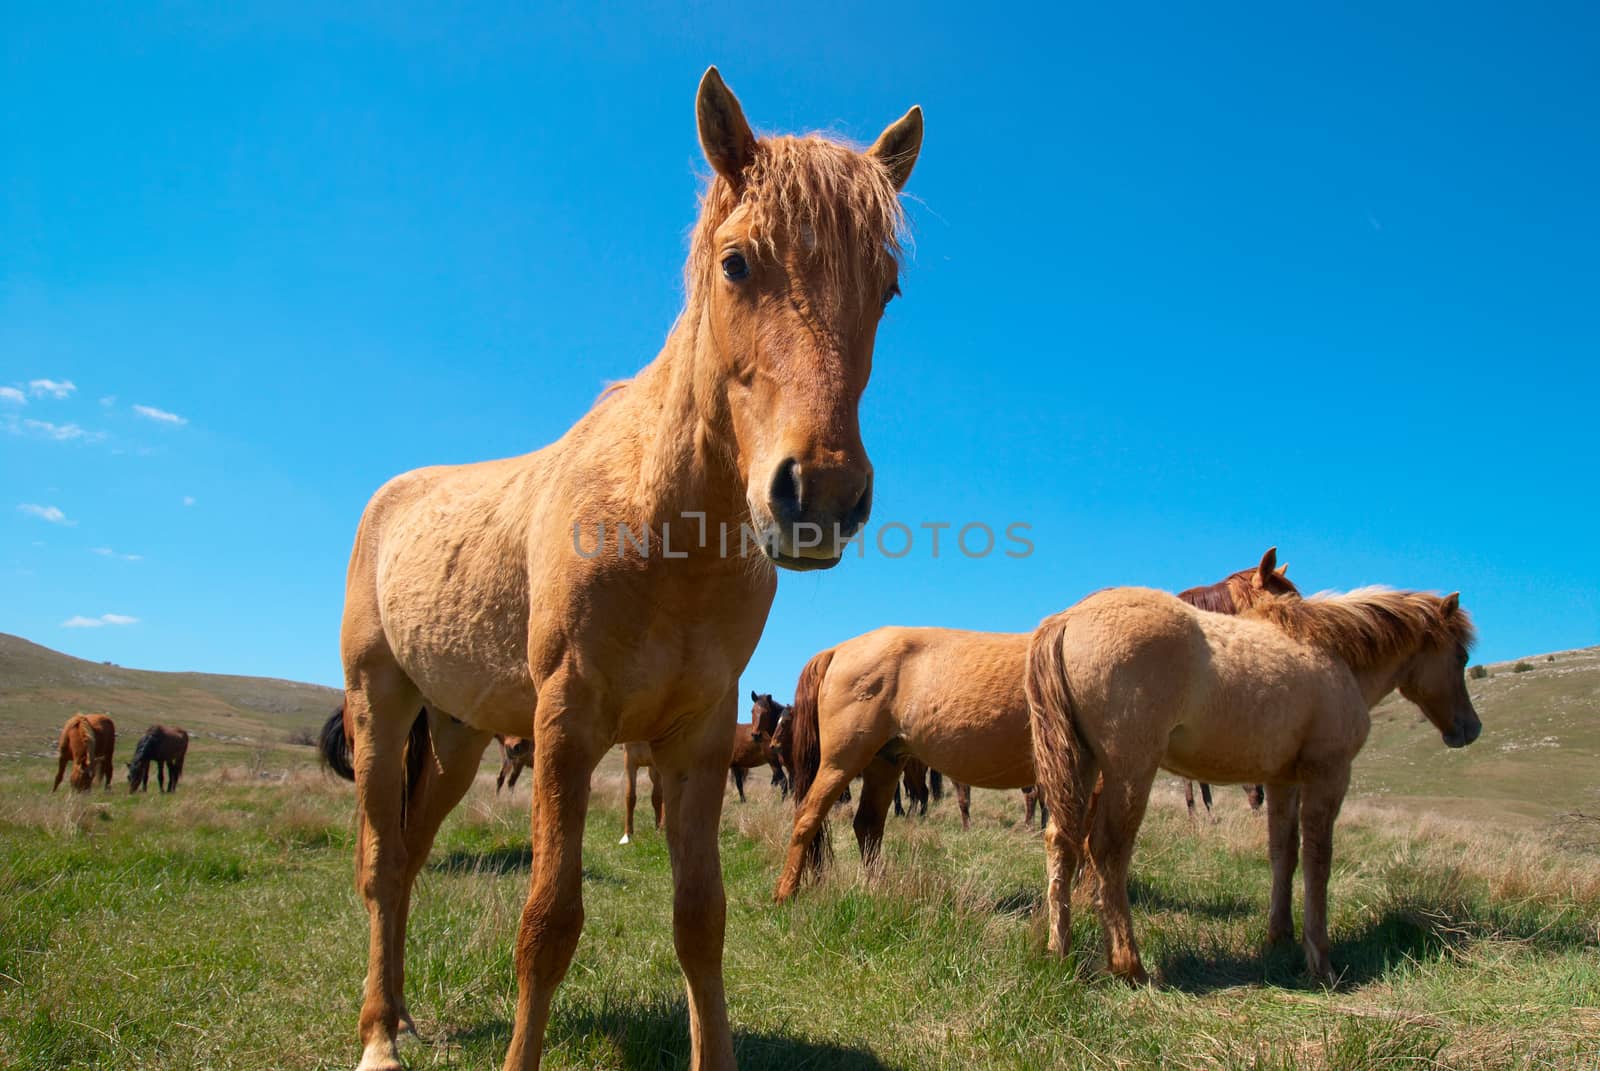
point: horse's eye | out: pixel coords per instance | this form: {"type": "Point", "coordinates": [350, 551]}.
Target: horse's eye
{"type": "Point", "coordinates": [890, 294]}
{"type": "Point", "coordinates": [735, 267]}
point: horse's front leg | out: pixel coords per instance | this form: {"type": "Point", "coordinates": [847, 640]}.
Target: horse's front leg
{"type": "Point", "coordinates": [570, 737]}
{"type": "Point", "coordinates": [1319, 806]}
{"type": "Point", "coordinates": [1283, 849]}
{"type": "Point", "coordinates": [880, 783]}
{"type": "Point", "coordinates": [691, 770]}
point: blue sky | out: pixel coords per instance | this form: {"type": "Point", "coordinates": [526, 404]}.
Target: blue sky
{"type": "Point", "coordinates": [1186, 283]}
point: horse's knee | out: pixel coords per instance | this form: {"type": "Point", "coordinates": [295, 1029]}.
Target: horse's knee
{"type": "Point", "coordinates": [548, 937]}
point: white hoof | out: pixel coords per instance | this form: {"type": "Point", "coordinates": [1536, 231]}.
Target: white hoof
{"type": "Point", "coordinates": [625, 839]}
{"type": "Point", "coordinates": [380, 1056]}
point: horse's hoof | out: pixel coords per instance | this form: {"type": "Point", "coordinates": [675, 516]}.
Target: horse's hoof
{"type": "Point", "coordinates": [625, 839]}
{"type": "Point", "coordinates": [408, 1025]}
{"type": "Point", "coordinates": [381, 1056]}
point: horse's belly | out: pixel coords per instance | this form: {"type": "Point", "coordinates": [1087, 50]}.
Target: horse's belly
{"type": "Point", "coordinates": [991, 752]}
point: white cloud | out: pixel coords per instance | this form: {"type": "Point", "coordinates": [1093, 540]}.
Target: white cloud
{"type": "Point", "coordinates": [13, 395]}
{"type": "Point", "coordinates": [79, 621]}
{"type": "Point", "coordinates": [45, 513]}
{"type": "Point", "coordinates": [109, 400]}
{"type": "Point", "coordinates": [188, 500]}
{"type": "Point", "coordinates": [51, 388]}
{"type": "Point", "coordinates": [61, 433]}
{"type": "Point", "coordinates": [107, 552]}
{"type": "Point", "coordinates": [150, 412]}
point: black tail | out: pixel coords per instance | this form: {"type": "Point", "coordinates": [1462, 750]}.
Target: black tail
{"type": "Point", "coordinates": [337, 751]}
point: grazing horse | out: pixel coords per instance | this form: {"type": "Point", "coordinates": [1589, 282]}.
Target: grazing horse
{"type": "Point", "coordinates": [166, 748]}
{"type": "Point", "coordinates": [953, 699]}
{"type": "Point", "coordinates": [612, 586]}
{"type": "Point", "coordinates": [762, 705]}
{"type": "Point", "coordinates": [87, 741]}
{"type": "Point", "coordinates": [1132, 680]}
{"type": "Point", "coordinates": [516, 755]}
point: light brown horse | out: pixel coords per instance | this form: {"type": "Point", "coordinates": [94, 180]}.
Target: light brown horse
{"type": "Point", "coordinates": [166, 748]}
{"type": "Point", "coordinates": [953, 699]}
{"type": "Point", "coordinates": [611, 586]}
{"type": "Point", "coordinates": [1132, 680]}
{"type": "Point", "coordinates": [87, 743]}
{"type": "Point", "coordinates": [636, 757]}
{"type": "Point", "coordinates": [516, 755]}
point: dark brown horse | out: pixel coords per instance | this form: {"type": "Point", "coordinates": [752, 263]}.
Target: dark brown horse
{"type": "Point", "coordinates": [1230, 596]}
{"type": "Point", "coordinates": [166, 748]}
{"type": "Point", "coordinates": [516, 755]}
{"type": "Point", "coordinates": [762, 705]}
{"type": "Point", "coordinates": [87, 741]}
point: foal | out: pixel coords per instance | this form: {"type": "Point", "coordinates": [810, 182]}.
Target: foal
{"type": "Point", "coordinates": [1132, 680]}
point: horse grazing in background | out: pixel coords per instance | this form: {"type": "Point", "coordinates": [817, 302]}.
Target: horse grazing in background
{"type": "Point", "coordinates": [611, 587]}
{"type": "Point", "coordinates": [166, 748]}
{"type": "Point", "coordinates": [953, 699]}
{"type": "Point", "coordinates": [1229, 596]}
{"type": "Point", "coordinates": [516, 755]}
{"type": "Point", "coordinates": [1131, 680]}
{"type": "Point", "coordinates": [87, 742]}
{"type": "Point", "coordinates": [763, 706]}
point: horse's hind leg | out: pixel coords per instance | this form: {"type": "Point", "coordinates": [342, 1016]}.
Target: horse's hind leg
{"type": "Point", "coordinates": [448, 771]}
{"type": "Point", "coordinates": [964, 802]}
{"type": "Point", "coordinates": [879, 786]}
{"type": "Point", "coordinates": [380, 706]}
{"type": "Point", "coordinates": [630, 793]}
{"type": "Point", "coordinates": [570, 738]}
{"type": "Point", "coordinates": [161, 775]}
{"type": "Point", "coordinates": [1205, 794]}
{"type": "Point", "coordinates": [1117, 816]}
{"type": "Point", "coordinates": [1319, 806]}
{"type": "Point", "coordinates": [1283, 849]}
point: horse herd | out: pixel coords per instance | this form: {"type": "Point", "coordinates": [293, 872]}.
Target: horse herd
{"type": "Point", "coordinates": [737, 452]}
{"type": "Point", "coordinates": [88, 741]}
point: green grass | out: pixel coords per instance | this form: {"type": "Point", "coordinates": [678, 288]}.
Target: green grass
{"type": "Point", "coordinates": [218, 928]}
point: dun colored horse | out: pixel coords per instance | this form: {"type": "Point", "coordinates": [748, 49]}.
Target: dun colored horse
{"type": "Point", "coordinates": [516, 755]}
{"type": "Point", "coordinates": [166, 748]}
{"type": "Point", "coordinates": [953, 699]}
{"type": "Point", "coordinates": [1132, 680]}
{"type": "Point", "coordinates": [87, 741]}
{"type": "Point", "coordinates": [611, 586]}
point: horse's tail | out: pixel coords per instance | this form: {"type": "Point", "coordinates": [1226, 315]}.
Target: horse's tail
{"type": "Point", "coordinates": [338, 751]}
{"type": "Point", "coordinates": [64, 748]}
{"type": "Point", "coordinates": [1061, 756]}
{"type": "Point", "coordinates": [936, 784]}
{"type": "Point", "coordinates": [806, 749]}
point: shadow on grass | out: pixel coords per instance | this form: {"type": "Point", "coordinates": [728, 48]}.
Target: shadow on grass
{"type": "Point", "coordinates": [1020, 902]}
{"type": "Point", "coordinates": [507, 860]}
{"type": "Point", "coordinates": [1147, 897]}
{"type": "Point", "coordinates": [639, 1035]}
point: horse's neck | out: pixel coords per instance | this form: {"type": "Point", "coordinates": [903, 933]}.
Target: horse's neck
{"type": "Point", "coordinates": [682, 462]}
{"type": "Point", "coordinates": [1378, 680]}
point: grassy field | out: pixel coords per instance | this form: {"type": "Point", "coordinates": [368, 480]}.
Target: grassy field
{"type": "Point", "coordinates": [218, 928]}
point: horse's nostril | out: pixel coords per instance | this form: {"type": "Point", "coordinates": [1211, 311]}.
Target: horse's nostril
{"type": "Point", "coordinates": [786, 485]}
{"type": "Point", "coordinates": [863, 507]}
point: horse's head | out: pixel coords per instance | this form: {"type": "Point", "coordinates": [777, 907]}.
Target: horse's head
{"type": "Point", "coordinates": [1435, 677]}
{"type": "Point", "coordinates": [794, 260]}
{"type": "Point", "coordinates": [764, 712]}
{"type": "Point", "coordinates": [1266, 581]}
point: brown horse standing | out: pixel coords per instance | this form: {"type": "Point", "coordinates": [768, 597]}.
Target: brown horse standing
{"type": "Point", "coordinates": [763, 706]}
{"type": "Point", "coordinates": [87, 741]}
{"type": "Point", "coordinates": [516, 755]}
{"type": "Point", "coordinates": [752, 743]}
{"type": "Point", "coordinates": [166, 748]}
{"type": "Point", "coordinates": [1132, 680]}
{"type": "Point", "coordinates": [953, 699]}
{"type": "Point", "coordinates": [636, 757]}
{"type": "Point", "coordinates": [611, 586]}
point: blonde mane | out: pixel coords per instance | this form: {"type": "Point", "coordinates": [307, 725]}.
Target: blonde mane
{"type": "Point", "coordinates": [1369, 625]}
{"type": "Point", "coordinates": [845, 197]}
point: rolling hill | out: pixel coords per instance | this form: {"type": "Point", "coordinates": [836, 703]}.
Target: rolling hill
{"type": "Point", "coordinates": [1538, 758]}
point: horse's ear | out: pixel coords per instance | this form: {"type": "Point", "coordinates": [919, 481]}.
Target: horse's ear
{"type": "Point", "coordinates": [1452, 603]}
{"type": "Point", "coordinates": [898, 146]}
{"type": "Point", "coordinates": [725, 136]}
{"type": "Point", "coordinates": [753, 696]}
{"type": "Point", "coordinates": [1283, 570]}
{"type": "Point", "coordinates": [1264, 571]}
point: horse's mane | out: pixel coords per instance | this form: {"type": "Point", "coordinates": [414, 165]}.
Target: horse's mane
{"type": "Point", "coordinates": [147, 743]}
{"type": "Point", "coordinates": [1368, 625]}
{"type": "Point", "coordinates": [1216, 598]}
{"type": "Point", "coordinates": [845, 197]}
